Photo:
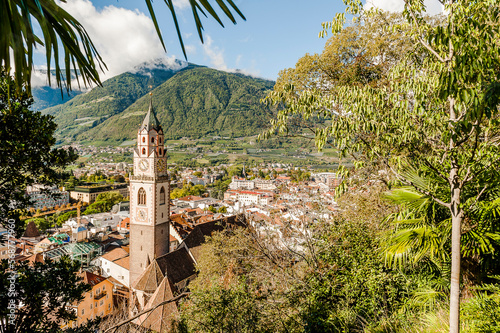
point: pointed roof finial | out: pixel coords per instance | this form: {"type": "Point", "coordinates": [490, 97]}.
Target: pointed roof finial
{"type": "Point", "coordinates": [151, 121]}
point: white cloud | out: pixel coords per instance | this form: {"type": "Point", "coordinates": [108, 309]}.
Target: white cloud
{"type": "Point", "coordinates": [124, 38]}
{"type": "Point", "coordinates": [216, 56]}
{"type": "Point", "coordinates": [432, 6]}
{"type": "Point", "coordinates": [181, 4]}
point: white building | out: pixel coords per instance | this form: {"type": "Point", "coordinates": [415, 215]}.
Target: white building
{"type": "Point", "coordinates": [248, 197]}
{"type": "Point", "coordinates": [241, 183]}
{"type": "Point", "coordinates": [115, 263]}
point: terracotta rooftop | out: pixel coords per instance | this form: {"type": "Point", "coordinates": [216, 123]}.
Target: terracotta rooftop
{"type": "Point", "coordinates": [190, 198]}
{"type": "Point", "coordinates": [123, 262]}
{"type": "Point", "coordinates": [115, 254]}
{"type": "Point", "coordinates": [91, 278]}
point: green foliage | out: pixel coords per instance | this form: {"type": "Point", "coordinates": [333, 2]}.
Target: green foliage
{"type": "Point", "coordinates": [41, 223]}
{"type": "Point", "coordinates": [65, 217]}
{"type": "Point", "coordinates": [187, 189]}
{"type": "Point", "coordinates": [432, 110]}
{"type": "Point", "coordinates": [235, 170]}
{"type": "Point", "coordinates": [26, 153]}
{"type": "Point", "coordinates": [481, 313]}
{"type": "Point", "coordinates": [46, 292]}
{"type": "Point", "coordinates": [222, 209]}
{"type": "Point", "coordinates": [103, 203]}
{"type": "Point", "coordinates": [299, 175]}
{"type": "Point", "coordinates": [335, 282]}
{"type": "Point", "coordinates": [233, 309]}
{"type": "Point", "coordinates": [219, 187]}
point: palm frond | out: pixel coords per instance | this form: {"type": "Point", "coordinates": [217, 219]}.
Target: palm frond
{"type": "Point", "coordinates": [58, 27]}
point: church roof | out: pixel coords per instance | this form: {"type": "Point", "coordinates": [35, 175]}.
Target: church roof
{"type": "Point", "coordinates": [150, 279]}
{"type": "Point", "coordinates": [151, 121]}
{"type": "Point", "coordinates": [31, 230]}
{"type": "Point", "coordinates": [159, 319]}
{"type": "Point", "coordinates": [177, 265]}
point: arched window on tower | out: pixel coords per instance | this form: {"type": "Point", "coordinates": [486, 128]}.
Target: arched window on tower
{"type": "Point", "coordinates": [153, 139]}
{"type": "Point", "coordinates": [162, 196]}
{"type": "Point", "coordinates": [143, 151]}
{"type": "Point", "coordinates": [159, 139]}
{"type": "Point", "coordinates": [141, 197]}
{"type": "Point", "coordinates": [143, 139]}
{"type": "Point", "coordinates": [160, 152]}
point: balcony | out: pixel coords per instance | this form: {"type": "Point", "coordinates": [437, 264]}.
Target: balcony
{"type": "Point", "coordinates": [99, 296]}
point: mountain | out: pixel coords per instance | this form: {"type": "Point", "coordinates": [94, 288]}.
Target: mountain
{"type": "Point", "coordinates": [89, 109]}
{"type": "Point", "coordinates": [193, 101]}
{"type": "Point", "coordinates": [46, 97]}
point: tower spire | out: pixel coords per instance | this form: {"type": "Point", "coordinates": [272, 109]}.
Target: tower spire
{"type": "Point", "coordinates": [151, 121]}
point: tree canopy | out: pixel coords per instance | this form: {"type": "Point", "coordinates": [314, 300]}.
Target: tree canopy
{"type": "Point", "coordinates": [435, 114]}
{"type": "Point", "coordinates": [26, 153]}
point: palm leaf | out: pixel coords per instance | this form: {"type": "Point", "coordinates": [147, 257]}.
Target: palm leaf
{"type": "Point", "coordinates": [66, 40]}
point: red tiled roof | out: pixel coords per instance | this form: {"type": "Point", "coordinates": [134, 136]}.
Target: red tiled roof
{"type": "Point", "coordinates": [190, 198]}
{"type": "Point", "coordinates": [91, 278]}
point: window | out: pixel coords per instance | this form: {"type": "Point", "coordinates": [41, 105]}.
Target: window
{"type": "Point", "coordinates": [159, 139]}
{"type": "Point", "coordinates": [143, 139]}
{"type": "Point", "coordinates": [104, 287]}
{"type": "Point", "coordinates": [162, 196]}
{"type": "Point", "coordinates": [109, 306]}
{"type": "Point", "coordinates": [107, 270]}
{"type": "Point", "coordinates": [91, 306]}
{"type": "Point", "coordinates": [83, 312]}
{"type": "Point", "coordinates": [107, 296]}
{"type": "Point", "coordinates": [152, 140]}
{"type": "Point", "coordinates": [101, 302]}
{"type": "Point", "coordinates": [160, 151]}
{"type": "Point", "coordinates": [141, 197]}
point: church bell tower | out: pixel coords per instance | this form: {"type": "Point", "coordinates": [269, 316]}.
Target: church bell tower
{"type": "Point", "coordinates": [149, 197]}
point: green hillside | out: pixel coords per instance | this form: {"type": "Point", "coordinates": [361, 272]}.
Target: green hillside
{"type": "Point", "coordinates": [87, 110]}
{"type": "Point", "coordinates": [195, 102]}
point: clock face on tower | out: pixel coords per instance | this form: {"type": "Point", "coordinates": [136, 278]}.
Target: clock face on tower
{"type": "Point", "coordinates": [142, 215]}
{"type": "Point", "coordinates": [160, 165]}
{"type": "Point", "coordinates": [143, 165]}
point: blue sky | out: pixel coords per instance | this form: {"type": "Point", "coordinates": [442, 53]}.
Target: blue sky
{"type": "Point", "coordinates": [274, 36]}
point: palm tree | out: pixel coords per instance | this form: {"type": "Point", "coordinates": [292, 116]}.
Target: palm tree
{"type": "Point", "coordinates": [63, 37]}
{"type": "Point", "coordinates": [420, 233]}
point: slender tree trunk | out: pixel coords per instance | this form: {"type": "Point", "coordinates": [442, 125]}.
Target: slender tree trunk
{"type": "Point", "coordinates": [456, 223]}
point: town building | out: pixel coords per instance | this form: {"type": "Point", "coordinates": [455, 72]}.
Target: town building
{"type": "Point", "coordinates": [88, 193]}
{"type": "Point", "coordinates": [42, 196]}
{"type": "Point", "coordinates": [98, 302]}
